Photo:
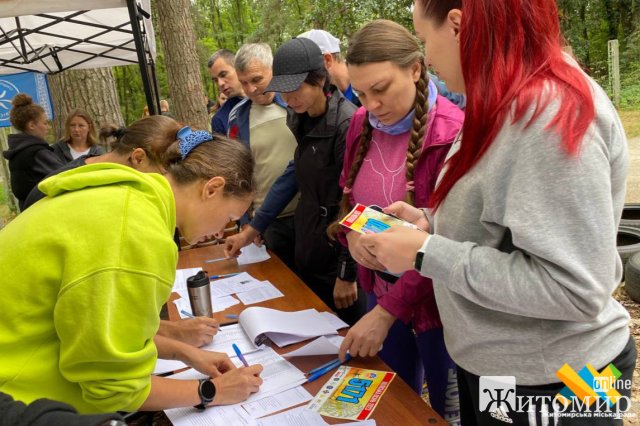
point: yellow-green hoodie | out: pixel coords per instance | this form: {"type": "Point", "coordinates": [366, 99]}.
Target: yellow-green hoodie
{"type": "Point", "coordinates": [84, 275]}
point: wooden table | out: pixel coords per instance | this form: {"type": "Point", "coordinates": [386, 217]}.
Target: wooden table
{"type": "Point", "coordinates": [400, 405]}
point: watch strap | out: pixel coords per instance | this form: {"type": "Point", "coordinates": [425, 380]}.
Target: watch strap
{"type": "Point", "coordinates": [206, 392]}
{"type": "Point", "coordinates": [417, 264]}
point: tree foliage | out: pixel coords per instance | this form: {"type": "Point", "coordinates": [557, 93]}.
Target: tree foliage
{"type": "Point", "coordinates": [587, 26]}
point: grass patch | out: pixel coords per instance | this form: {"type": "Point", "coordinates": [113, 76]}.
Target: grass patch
{"type": "Point", "coordinates": [631, 122]}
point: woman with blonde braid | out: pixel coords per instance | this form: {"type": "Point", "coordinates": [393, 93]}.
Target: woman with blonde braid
{"type": "Point", "coordinates": [396, 144]}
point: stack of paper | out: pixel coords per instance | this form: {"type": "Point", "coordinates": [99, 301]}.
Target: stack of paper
{"type": "Point", "coordinates": [284, 328]}
{"type": "Point", "coordinates": [323, 345]}
{"type": "Point", "coordinates": [253, 254]}
{"type": "Point", "coordinates": [180, 282]}
{"type": "Point", "coordinates": [277, 402]}
{"type": "Point", "coordinates": [218, 304]}
{"type": "Point", "coordinates": [248, 289]}
{"type": "Point", "coordinates": [280, 389]}
{"type": "Point", "coordinates": [263, 293]}
{"type": "Point", "coordinates": [278, 374]}
{"type": "Point", "coordinates": [167, 366]}
{"type": "Point", "coordinates": [228, 335]}
{"type": "Point", "coordinates": [300, 416]}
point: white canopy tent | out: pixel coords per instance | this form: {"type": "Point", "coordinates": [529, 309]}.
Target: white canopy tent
{"type": "Point", "coordinates": [50, 36]}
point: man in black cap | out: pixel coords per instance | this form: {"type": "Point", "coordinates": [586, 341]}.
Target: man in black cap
{"type": "Point", "coordinates": [319, 117]}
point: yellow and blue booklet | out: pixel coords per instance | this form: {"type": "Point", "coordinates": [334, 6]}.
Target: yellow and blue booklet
{"type": "Point", "coordinates": [351, 393]}
{"type": "Point", "coordinates": [371, 220]}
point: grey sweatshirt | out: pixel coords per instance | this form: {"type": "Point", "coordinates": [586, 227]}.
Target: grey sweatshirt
{"type": "Point", "coordinates": [523, 256]}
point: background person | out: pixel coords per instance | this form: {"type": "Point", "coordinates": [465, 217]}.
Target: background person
{"type": "Point", "coordinates": [79, 138]}
{"type": "Point", "coordinates": [514, 251]}
{"type": "Point", "coordinates": [396, 145]}
{"type": "Point", "coordinates": [222, 70]}
{"type": "Point", "coordinates": [30, 156]}
{"type": "Point", "coordinates": [165, 109]}
{"type": "Point", "coordinates": [260, 122]}
{"type": "Point", "coordinates": [333, 61]}
{"type": "Point", "coordinates": [46, 412]}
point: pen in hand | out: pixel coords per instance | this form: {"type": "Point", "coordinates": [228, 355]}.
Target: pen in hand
{"type": "Point", "coordinates": [190, 315]}
{"type": "Point", "coordinates": [240, 356]}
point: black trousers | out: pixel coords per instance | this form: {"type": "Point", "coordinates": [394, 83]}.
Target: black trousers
{"type": "Point", "coordinates": [280, 238]}
{"type": "Point", "coordinates": [542, 412]}
{"type": "Point", "coordinates": [322, 286]}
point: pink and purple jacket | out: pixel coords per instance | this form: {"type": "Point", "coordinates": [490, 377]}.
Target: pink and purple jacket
{"type": "Point", "coordinates": [381, 180]}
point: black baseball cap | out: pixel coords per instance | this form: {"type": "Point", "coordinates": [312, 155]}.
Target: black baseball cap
{"type": "Point", "coordinates": [292, 63]}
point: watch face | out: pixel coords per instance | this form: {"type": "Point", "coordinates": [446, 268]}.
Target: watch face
{"type": "Point", "coordinates": [208, 390]}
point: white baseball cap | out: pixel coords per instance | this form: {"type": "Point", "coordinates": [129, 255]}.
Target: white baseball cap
{"type": "Point", "coordinates": [325, 41]}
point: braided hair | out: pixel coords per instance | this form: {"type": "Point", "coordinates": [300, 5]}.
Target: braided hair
{"type": "Point", "coordinates": [368, 46]}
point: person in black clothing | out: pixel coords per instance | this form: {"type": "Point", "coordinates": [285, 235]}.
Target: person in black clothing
{"type": "Point", "coordinates": [47, 412]}
{"type": "Point", "coordinates": [142, 146]}
{"type": "Point", "coordinates": [30, 156]}
{"type": "Point", "coordinates": [79, 138]}
{"type": "Point", "coordinates": [318, 116]}
{"type": "Point", "coordinates": [222, 70]}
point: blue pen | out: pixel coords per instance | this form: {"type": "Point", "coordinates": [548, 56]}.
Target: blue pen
{"type": "Point", "coordinates": [232, 316]}
{"type": "Point", "coordinates": [240, 356]}
{"type": "Point", "coordinates": [215, 277]}
{"type": "Point", "coordinates": [188, 314]}
{"type": "Point", "coordinates": [333, 361]}
{"type": "Point", "coordinates": [326, 369]}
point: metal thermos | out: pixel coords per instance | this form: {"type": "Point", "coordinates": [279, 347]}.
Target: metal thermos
{"type": "Point", "coordinates": [200, 294]}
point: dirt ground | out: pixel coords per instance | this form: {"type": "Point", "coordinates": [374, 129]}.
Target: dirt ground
{"type": "Point", "coordinates": [633, 196]}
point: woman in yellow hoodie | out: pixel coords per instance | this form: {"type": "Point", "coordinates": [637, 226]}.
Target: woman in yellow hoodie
{"type": "Point", "coordinates": [81, 298]}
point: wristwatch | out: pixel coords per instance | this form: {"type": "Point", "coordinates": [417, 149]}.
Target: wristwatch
{"type": "Point", "coordinates": [206, 392]}
{"type": "Point", "coordinates": [417, 263]}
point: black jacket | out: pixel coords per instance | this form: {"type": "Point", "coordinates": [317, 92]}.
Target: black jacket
{"type": "Point", "coordinates": [36, 195]}
{"type": "Point", "coordinates": [318, 164]}
{"type": "Point", "coordinates": [63, 152]}
{"type": "Point", "coordinates": [45, 412]}
{"type": "Point", "coordinates": [30, 160]}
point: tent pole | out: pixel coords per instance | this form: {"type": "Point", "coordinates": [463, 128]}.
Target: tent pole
{"type": "Point", "coordinates": [154, 81]}
{"type": "Point", "coordinates": [153, 104]}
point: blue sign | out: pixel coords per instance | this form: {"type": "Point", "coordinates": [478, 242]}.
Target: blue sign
{"type": "Point", "coordinates": [33, 84]}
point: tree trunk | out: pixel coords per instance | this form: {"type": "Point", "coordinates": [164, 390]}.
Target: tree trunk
{"type": "Point", "coordinates": [625, 11]}
{"type": "Point", "coordinates": [181, 59]}
{"type": "Point", "coordinates": [93, 90]}
{"type": "Point", "coordinates": [585, 35]}
{"type": "Point", "coordinates": [612, 19]}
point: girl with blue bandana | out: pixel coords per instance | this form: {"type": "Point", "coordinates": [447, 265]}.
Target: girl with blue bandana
{"type": "Point", "coordinates": [82, 297]}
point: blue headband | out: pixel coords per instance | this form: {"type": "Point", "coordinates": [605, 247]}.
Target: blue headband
{"type": "Point", "coordinates": [190, 139]}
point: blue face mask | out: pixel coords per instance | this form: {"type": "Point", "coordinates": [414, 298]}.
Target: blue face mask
{"type": "Point", "coordinates": [405, 123]}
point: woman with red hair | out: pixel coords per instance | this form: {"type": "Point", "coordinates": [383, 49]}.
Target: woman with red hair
{"type": "Point", "coordinates": [520, 238]}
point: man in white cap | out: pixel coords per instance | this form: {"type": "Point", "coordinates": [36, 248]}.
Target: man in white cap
{"type": "Point", "coordinates": [333, 61]}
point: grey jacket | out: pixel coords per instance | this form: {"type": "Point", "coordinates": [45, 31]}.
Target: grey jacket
{"type": "Point", "coordinates": [523, 257]}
